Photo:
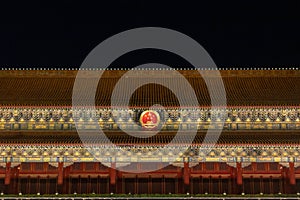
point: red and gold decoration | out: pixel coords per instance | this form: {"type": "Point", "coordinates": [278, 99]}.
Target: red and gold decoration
{"type": "Point", "coordinates": [149, 119]}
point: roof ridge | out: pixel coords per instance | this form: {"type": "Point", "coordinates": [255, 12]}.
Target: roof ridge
{"type": "Point", "coordinates": [154, 68]}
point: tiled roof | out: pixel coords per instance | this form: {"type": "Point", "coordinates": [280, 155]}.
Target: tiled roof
{"type": "Point", "coordinates": [243, 88]}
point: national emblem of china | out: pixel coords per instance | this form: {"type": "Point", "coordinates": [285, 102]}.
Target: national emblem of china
{"type": "Point", "coordinates": [149, 119]}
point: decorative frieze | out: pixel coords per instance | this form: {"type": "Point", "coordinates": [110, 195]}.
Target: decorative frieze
{"type": "Point", "coordinates": [69, 154]}
{"type": "Point", "coordinates": [170, 119]}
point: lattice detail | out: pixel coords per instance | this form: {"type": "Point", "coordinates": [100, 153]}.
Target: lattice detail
{"type": "Point", "coordinates": [39, 166]}
{"type": "Point", "coordinates": [77, 166]}
{"type": "Point", "coordinates": [274, 166]}
{"type": "Point", "coordinates": [89, 166]}
{"type": "Point", "coordinates": [223, 166]}
{"type": "Point", "coordinates": [26, 166]}
{"type": "Point", "coordinates": [104, 166]}
{"type": "Point", "coordinates": [209, 166]}
{"type": "Point", "coordinates": [197, 167]}
{"type": "Point", "coordinates": [260, 166]}
{"type": "Point", "coordinates": [248, 168]}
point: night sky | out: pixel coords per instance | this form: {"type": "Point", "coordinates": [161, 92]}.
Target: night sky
{"type": "Point", "coordinates": [235, 35]}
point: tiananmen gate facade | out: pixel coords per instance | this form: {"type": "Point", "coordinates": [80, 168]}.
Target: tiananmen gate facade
{"type": "Point", "coordinates": [258, 150]}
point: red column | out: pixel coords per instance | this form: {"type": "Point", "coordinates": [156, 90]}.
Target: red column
{"type": "Point", "coordinates": [186, 173]}
{"type": "Point", "coordinates": [239, 176]}
{"type": "Point", "coordinates": [7, 173]}
{"type": "Point", "coordinates": [65, 188]}
{"type": "Point", "coordinates": [113, 173]}
{"type": "Point", "coordinates": [292, 173]}
{"type": "Point", "coordinates": [60, 177]}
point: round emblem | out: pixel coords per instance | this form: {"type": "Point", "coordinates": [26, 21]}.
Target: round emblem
{"type": "Point", "coordinates": [149, 119]}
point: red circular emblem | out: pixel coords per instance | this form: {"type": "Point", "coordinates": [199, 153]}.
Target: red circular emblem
{"type": "Point", "coordinates": [149, 119]}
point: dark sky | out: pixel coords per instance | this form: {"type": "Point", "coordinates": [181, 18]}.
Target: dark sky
{"type": "Point", "coordinates": [235, 35]}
